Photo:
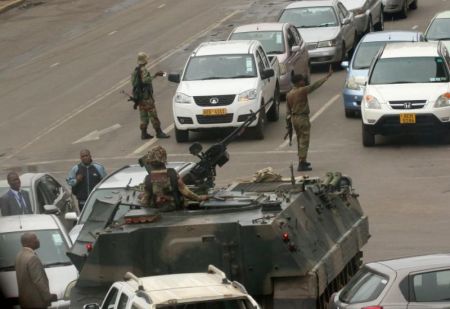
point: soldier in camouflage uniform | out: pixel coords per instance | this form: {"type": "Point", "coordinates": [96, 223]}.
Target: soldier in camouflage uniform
{"type": "Point", "coordinates": [298, 110]}
{"type": "Point", "coordinates": [164, 188]}
{"type": "Point", "coordinates": [141, 79]}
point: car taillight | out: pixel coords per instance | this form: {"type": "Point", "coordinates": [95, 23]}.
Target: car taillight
{"type": "Point", "coordinates": [89, 247]}
{"type": "Point", "coordinates": [373, 307]}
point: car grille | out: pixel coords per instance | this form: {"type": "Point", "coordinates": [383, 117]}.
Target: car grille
{"type": "Point", "coordinates": [221, 100]}
{"type": "Point", "coordinates": [412, 104]}
{"type": "Point", "coordinates": [311, 46]}
{"type": "Point", "coordinates": [227, 118]}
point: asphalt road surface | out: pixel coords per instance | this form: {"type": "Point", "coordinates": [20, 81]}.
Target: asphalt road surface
{"type": "Point", "coordinates": [63, 64]}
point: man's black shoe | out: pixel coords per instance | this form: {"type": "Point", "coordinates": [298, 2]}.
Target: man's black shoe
{"type": "Point", "coordinates": [161, 134]}
{"type": "Point", "coordinates": [304, 166]}
{"type": "Point", "coordinates": [145, 135]}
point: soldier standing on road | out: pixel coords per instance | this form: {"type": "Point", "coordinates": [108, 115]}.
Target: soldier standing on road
{"type": "Point", "coordinates": [84, 176]}
{"type": "Point", "coordinates": [163, 186]}
{"type": "Point", "coordinates": [141, 80]}
{"type": "Point", "coordinates": [298, 110]}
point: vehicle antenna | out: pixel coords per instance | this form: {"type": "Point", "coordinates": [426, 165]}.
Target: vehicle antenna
{"type": "Point", "coordinates": [20, 222]}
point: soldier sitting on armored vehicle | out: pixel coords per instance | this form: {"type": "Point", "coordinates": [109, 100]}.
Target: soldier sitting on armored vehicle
{"type": "Point", "coordinates": [163, 188]}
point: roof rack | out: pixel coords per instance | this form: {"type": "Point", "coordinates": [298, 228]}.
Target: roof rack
{"type": "Point", "coordinates": [130, 276]}
{"type": "Point", "coordinates": [214, 270]}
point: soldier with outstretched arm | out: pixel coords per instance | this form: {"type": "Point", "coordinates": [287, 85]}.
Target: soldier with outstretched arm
{"type": "Point", "coordinates": [298, 110]}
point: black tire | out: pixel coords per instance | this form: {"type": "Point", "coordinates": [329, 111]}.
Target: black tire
{"type": "Point", "coordinates": [181, 136]}
{"type": "Point", "coordinates": [380, 25]}
{"type": "Point", "coordinates": [368, 138]}
{"type": "Point", "coordinates": [404, 11]}
{"type": "Point", "coordinates": [413, 5]}
{"type": "Point", "coordinates": [257, 132]}
{"type": "Point", "coordinates": [274, 112]}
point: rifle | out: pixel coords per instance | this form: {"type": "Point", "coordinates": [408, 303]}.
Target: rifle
{"type": "Point", "coordinates": [204, 171]}
{"type": "Point", "coordinates": [289, 129]}
{"type": "Point", "coordinates": [131, 99]}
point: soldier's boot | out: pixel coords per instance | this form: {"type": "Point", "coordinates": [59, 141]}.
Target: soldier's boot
{"type": "Point", "coordinates": [144, 134]}
{"type": "Point", "coordinates": [304, 166]}
{"type": "Point", "coordinates": [161, 134]}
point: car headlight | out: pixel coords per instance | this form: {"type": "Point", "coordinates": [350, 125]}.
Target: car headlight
{"type": "Point", "coordinates": [328, 43]}
{"type": "Point", "coordinates": [248, 95]}
{"type": "Point", "coordinates": [443, 100]}
{"type": "Point", "coordinates": [182, 98]}
{"type": "Point", "coordinates": [370, 102]}
{"type": "Point", "coordinates": [283, 69]}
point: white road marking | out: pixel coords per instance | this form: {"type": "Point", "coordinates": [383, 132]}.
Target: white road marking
{"type": "Point", "coordinates": [54, 64]}
{"type": "Point", "coordinates": [112, 32]}
{"type": "Point", "coordinates": [314, 117]}
{"type": "Point", "coordinates": [149, 143]}
{"type": "Point", "coordinates": [113, 89]}
{"type": "Point", "coordinates": [415, 27]}
{"type": "Point", "coordinates": [161, 6]}
{"type": "Point", "coordinates": [96, 134]}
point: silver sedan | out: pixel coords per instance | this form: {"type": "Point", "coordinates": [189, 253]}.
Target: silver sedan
{"type": "Point", "coordinates": [399, 6]}
{"type": "Point", "coordinates": [368, 15]}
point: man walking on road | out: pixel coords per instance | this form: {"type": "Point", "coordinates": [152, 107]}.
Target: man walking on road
{"type": "Point", "coordinates": [141, 80]}
{"type": "Point", "coordinates": [84, 176]}
{"type": "Point", "coordinates": [15, 201]}
{"type": "Point", "coordinates": [34, 291]}
{"type": "Point", "coordinates": [298, 110]}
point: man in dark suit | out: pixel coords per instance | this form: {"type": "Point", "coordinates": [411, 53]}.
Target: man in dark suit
{"type": "Point", "coordinates": [34, 291]}
{"type": "Point", "coordinates": [15, 201]}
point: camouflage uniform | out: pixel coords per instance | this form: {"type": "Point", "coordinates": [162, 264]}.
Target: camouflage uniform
{"type": "Point", "coordinates": [298, 107]}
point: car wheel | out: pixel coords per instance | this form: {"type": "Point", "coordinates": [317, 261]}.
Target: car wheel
{"type": "Point", "coordinates": [367, 137]}
{"type": "Point", "coordinates": [413, 5]}
{"type": "Point", "coordinates": [257, 132]}
{"type": "Point", "coordinates": [380, 25]}
{"type": "Point", "coordinates": [181, 136]}
{"type": "Point", "coordinates": [274, 111]}
{"type": "Point", "coordinates": [404, 12]}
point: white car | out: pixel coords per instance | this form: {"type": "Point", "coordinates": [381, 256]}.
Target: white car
{"type": "Point", "coordinates": [408, 91]}
{"type": "Point", "coordinates": [439, 28]}
{"type": "Point", "coordinates": [179, 291]}
{"type": "Point", "coordinates": [54, 244]}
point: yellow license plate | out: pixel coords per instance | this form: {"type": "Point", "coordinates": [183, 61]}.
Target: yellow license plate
{"type": "Point", "coordinates": [214, 111]}
{"type": "Point", "coordinates": [407, 118]}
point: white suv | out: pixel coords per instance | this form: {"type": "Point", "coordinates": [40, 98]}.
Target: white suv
{"type": "Point", "coordinates": [188, 291]}
{"type": "Point", "coordinates": [408, 91]}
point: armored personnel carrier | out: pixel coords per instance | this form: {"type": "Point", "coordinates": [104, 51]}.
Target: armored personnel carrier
{"type": "Point", "coordinates": [291, 242]}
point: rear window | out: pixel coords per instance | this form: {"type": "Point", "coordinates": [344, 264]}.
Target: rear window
{"type": "Point", "coordinates": [407, 70]}
{"type": "Point", "coordinates": [365, 286]}
{"type": "Point", "coordinates": [272, 41]}
{"type": "Point", "coordinates": [365, 54]}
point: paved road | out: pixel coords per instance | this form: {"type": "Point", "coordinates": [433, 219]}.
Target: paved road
{"type": "Point", "coordinates": [64, 63]}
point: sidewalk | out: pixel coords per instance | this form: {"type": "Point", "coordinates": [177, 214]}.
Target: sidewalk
{"type": "Point", "coordinates": [9, 4]}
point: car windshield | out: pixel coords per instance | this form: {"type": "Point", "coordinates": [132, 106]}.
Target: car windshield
{"type": "Point", "coordinates": [52, 251]}
{"type": "Point", "coordinates": [365, 286]}
{"type": "Point", "coordinates": [312, 17]}
{"type": "Point", "coordinates": [439, 29]}
{"type": "Point", "coordinates": [365, 54]}
{"type": "Point", "coordinates": [220, 67]}
{"type": "Point", "coordinates": [272, 41]}
{"type": "Point", "coordinates": [409, 70]}
{"type": "Point", "coordinates": [212, 304]}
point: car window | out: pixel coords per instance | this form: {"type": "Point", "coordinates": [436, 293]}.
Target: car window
{"type": "Point", "coordinates": [212, 304]}
{"type": "Point", "coordinates": [123, 300]}
{"type": "Point", "coordinates": [52, 251]}
{"type": "Point", "coordinates": [342, 11]}
{"type": "Point", "coordinates": [298, 37]}
{"type": "Point", "coordinates": [110, 299]}
{"type": "Point", "coordinates": [365, 53]}
{"type": "Point", "coordinates": [259, 62]}
{"type": "Point", "coordinates": [409, 70]}
{"type": "Point", "coordinates": [439, 29]}
{"type": "Point", "coordinates": [432, 286]}
{"type": "Point", "coordinates": [311, 17]}
{"type": "Point", "coordinates": [264, 58]}
{"type": "Point", "coordinates": [365, 286]}
{"type": "Point", "coordinates": [272, 41]}
{"type": "Point", "coordinates": [291, 39]}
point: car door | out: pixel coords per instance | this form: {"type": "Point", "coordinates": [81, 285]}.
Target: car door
{"type": "Point", "coordinates": [302, 65]}
{"type": "Point", "coordinates": [263, 64]}
{"type": "Point", "coordinates": [347, 29]}
{"type": "Point", "coordinates": [430, 289]}
{"type": "Point", "coordinates": [293, 57]}
{"type": "Point", "coordinates": [375, 9]}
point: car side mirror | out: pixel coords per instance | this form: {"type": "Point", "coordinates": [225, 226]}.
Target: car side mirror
{"type": "Point", "coordinates": [345, 21]}
{"type": "Point", "coordinates": [91, 306]}
{"type": "Point", "coordinates": [267, 73]}
{"type": "Point", "coordinates": [344, 64]}
{"type": "Point", "coordinates": [295, 48]}
{"type": "Point", "coordinates": [50, 209]}
{"type": "Point", "coordinates": [71, 216]}
{"type": "Point", "coordinates": [174, 78]}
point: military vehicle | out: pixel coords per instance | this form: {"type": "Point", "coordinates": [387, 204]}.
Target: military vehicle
{"type": "Point", "coordinates": [291, 242]}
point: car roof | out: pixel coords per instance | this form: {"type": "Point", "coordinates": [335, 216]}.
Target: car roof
{"type": "Point", "coordinates": [226, 47]}
{"type": "Point", "coordinates": [416, 262]}
{"type": "Point", "coordinates": [383, 36]}
{"type": "Point", "coordinates": [312, 3]}
{"type": "Point", "coordinates": [260, 27]}
{"type": "Point", "coordinates": [409, 49]}
{"type": "Point", "coordinates": [28, 223]}
{"type": "Point", "coordinates": [443, 14]}
{"type": "Point", "coordinates": [185, 287]}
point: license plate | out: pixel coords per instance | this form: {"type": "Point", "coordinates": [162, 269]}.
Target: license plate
{"type": "Point", "coordinates": [407, 118]}
{"type": "Point", "coordinates": [214, 111]}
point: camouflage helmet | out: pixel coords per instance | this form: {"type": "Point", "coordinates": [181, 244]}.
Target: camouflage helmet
{"type": "Point", "coordinates": [142, 58]}
{"type": "Point", "coordinates": [157, 154]}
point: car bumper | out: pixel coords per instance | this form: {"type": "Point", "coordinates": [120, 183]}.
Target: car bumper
{"type": "Point", "coordinates": [352, 99]}
{"type": "Point", "coordinates": [392, 6]}
{"type": "Point", "coordinates": [324, 55]}
{"type": "Point", "coordinates": [191, 116]}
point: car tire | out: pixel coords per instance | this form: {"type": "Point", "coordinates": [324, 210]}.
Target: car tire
{"type": "Point", "coordinates": [181, 136]}
{"type": "Point", "coordinates": [404, 11]}
{"type": "Point", "coordinates": [380, 25]}
{"type": "Point", "coordinates": [368, 138]}
{"type": "Point", "coordinates": [413, 5]}
{"type": "Point", "coordinates": [257, 132]}
{"type": "Point", "coordinates": [274, 112]}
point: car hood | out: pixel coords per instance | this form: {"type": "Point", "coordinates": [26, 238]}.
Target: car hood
{"type": "Point", "coordinates": [402, 92]}
{"type": "Point", "coordinates": [217, 86]}
{"type": "Point", "coordinates": [318, 34]}
{"type": "Point", "coordinates": [58, 277]}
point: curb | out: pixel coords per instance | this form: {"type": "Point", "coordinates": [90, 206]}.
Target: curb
{"type": "Point", "coordinates": [9, 5]}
